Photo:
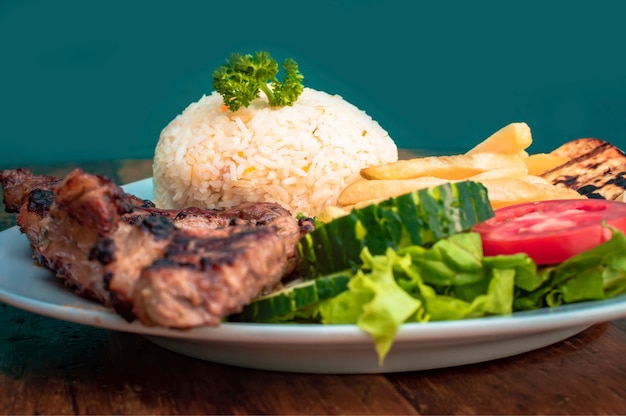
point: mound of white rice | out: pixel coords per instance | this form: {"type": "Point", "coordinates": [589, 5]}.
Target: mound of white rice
{"type": "Point", "coordinates": [300, 156]}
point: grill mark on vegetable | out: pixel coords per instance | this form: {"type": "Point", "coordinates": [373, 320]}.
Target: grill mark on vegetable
{"type": "Point", "coordinates": [589, 192]}
{"type": "Point", "coordinates": [595, 169]}
{"type": "Point", "coordinates": [619, 180]}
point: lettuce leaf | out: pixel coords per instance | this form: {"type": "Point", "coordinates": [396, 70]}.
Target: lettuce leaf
{"type": "Point", "coordinates": [416, 284]}
{"type": "Point", "coordinates": [466, 287]}
{"type": "Point", "coordinates": [453, 280]}
{"type": "Point", "coordinates": [598, 273]}
{"type": "Point", "coordinates": [374, 302]}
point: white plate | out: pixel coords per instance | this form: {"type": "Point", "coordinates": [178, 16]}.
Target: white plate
{"type": "Point", "coordinates": [304, 348]}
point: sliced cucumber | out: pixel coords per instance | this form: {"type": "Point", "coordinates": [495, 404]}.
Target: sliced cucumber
{"type": "Point", "coordinates": [420, 218]}
{"type": "Point", "coordinates": [286, 302]}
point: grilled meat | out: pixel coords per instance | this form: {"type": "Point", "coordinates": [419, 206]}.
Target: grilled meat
{"type": "Point", "coordinates": [123, 252]}
{"type": "Point", "coordinates": [85, 209]}
{"type": "Point", "coordinates": [200, 280]}
{"type": "Point", "coordinates": [18, 183]}
{"type": "Point", "coordinates": [30, 196]}
{"type": "Point", "coordinates": [596, 169]}
{"type": "Point", "coordinates": [155, 236]}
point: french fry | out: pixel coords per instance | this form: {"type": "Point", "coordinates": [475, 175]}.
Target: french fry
{"type": "Point", "coordinates": [361, 204]}
{"type": "Point", "coordinates": [501, 163]}
{"type": "Point", "coordinates": [454, 167]}
{"type": "Point", "coordinates": [538, 180]}
{"type": "Point", "coordinates": [539, 163]}
{"type": "Point", "coordinates": [331, 212]}
{"type": "Point", "coordinates": [502, 191]}
{"type": "Point", "coordinates": [509, 191]}
{"type": "Point", "coordinates": [510, 139]}
{"type": "Point", "coordinates": [369, 190]}
{"type": "Point", "coordinates": [518, 171]}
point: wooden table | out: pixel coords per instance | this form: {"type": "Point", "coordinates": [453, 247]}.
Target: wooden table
{"type": "Point", "coordinates": [54, 367]}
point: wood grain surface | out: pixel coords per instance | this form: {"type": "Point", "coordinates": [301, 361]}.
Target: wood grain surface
{"type": "Point", "coordinates": [49, 366]}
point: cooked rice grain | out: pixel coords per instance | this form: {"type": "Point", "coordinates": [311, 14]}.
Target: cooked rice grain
{"type": "Point", "coordinates": [301, 156]}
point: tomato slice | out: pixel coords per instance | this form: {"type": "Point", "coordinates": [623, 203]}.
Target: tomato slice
{"type": "Point", "coordinates": [552, 231]}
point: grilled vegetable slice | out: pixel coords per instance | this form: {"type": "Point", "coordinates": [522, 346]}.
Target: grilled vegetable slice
{"type": "Point", "coordinates": [420, 217]}
{"type": "Point", "coordinates": [596, 169]}
{"type": "Point", "coordinates": [284, 303]}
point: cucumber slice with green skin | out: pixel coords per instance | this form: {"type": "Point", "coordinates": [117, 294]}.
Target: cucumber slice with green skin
{"type": "Point", "coordinates": [419, 218]}
{"type": "Point", "coordinates": [284, 303]}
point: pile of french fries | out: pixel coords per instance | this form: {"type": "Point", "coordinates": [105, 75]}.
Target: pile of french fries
{"type": "Point", "coordinates": [501, 163]}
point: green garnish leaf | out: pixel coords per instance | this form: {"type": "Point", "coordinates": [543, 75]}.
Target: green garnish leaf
{"type": "Point", "coordinates": [598, 273]}
{"type": "Point", "coordinates": [241, 79]}
{"type": "Point", "coordinates": [374, 302]}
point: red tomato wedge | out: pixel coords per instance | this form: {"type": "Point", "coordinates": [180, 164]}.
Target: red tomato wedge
{"type": "Point", "coordinates": [551, 232]}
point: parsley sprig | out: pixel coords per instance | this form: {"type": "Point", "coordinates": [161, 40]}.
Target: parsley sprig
{"type": "Point", "coordinates": [242, 77]}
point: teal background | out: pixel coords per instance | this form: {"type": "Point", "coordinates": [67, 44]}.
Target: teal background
{"type": "Point", "coordinates": [93, 80]}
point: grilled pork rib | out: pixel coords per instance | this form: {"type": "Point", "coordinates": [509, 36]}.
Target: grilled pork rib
{"type": "Point", "coordinates": [200, 280]}
{"type": "Point", "coordinates": [168, 268]}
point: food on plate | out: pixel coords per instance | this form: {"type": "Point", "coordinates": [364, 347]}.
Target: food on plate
{"type": "Point", "coordinates": [364, 192]}
{"type": "Point", "coordinates": [500, 162]}
{"type": "Point", "coordinates": [398, 277]}
{"type": "Point", "coordinates": [503, 190]}
{"type": "Point", "coordinates": [420, 217]}
{"type": "Point", "coordinates": [453, 167]}
{"type": "Point", "coordinates": [171, 268]}
{"type": "Point", "coordinates": [539, 163]}
{"type": "Point", "coordinates": [183, 268]}
{"type": "Point", "coordinates": [199, 267]}
{"type": "Point", "coordinates": [595, 169]}
{"type": "Point", "coordinates": [279, 203]}
{"type": "Point", "coordinates": [553, 231]}
{"type": "Point", "coordinates": [331, 253]}
{"type": "Point", "coordinates": [299, 155]}
{"type": "Point", "coordinates": [296, 296]}
{"type": "Point", "coordinates": [507, 191]}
